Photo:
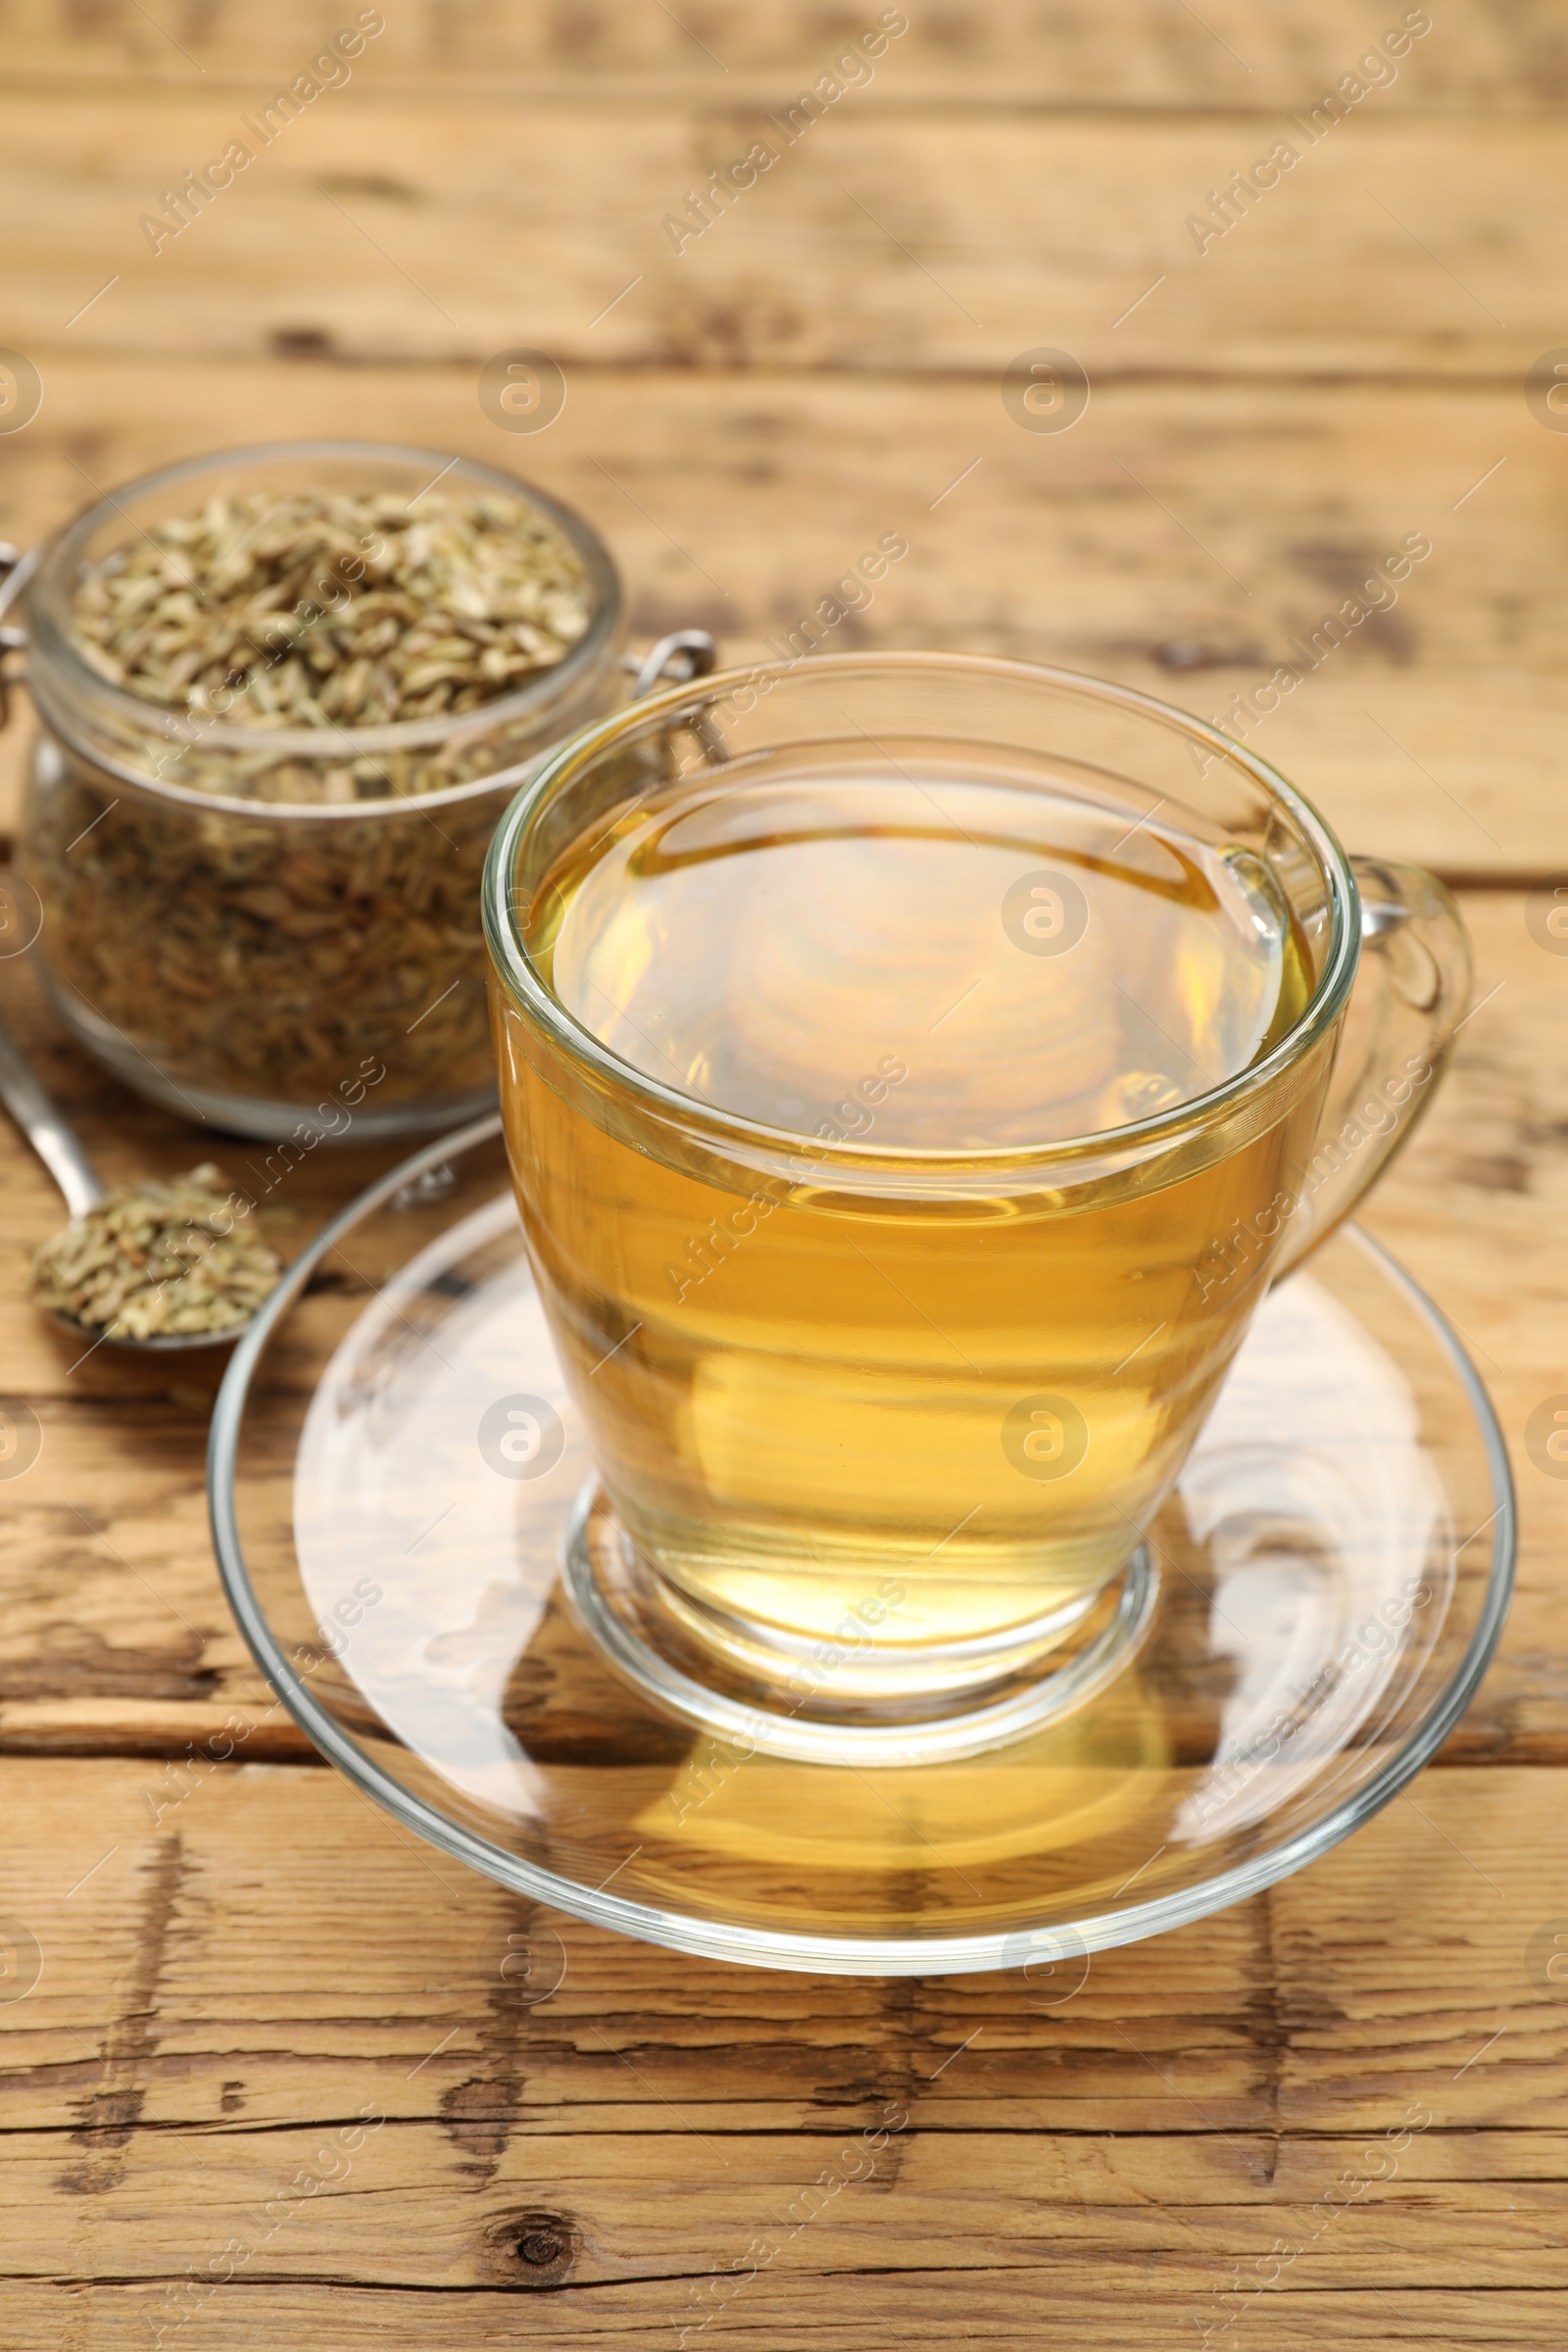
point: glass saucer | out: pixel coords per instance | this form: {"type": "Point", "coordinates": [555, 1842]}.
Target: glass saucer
{"type": "Point", "coordinates": [396, 1469]}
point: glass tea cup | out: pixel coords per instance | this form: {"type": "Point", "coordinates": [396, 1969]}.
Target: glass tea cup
{"type": "Point", "coordinates": [883, 1388]}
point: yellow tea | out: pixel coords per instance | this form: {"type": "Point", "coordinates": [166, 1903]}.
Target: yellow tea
{"type": "Point", "coordinates": [871, 1354]}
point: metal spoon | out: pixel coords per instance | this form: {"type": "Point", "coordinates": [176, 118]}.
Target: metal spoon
{"type": "Point", "coordinates": [43, 1125]}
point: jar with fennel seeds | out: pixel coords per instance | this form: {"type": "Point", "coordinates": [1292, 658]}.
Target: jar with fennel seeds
{"type": "Point", "coordinates": [284, 696]}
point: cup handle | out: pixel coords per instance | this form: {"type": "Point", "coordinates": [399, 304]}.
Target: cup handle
{"type": "Point", "coordinates": [1410, 994]}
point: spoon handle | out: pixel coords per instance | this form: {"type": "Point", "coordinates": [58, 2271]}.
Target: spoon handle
{"type": "Point", "coordinates": [45, 1128]}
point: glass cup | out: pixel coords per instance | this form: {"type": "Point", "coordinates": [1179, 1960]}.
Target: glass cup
{"type": "Point", "coordinates": [878, 1426]}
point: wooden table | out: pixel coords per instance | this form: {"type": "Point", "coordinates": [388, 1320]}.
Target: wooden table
{"type": "Point", "coordinates": [239, 1958]}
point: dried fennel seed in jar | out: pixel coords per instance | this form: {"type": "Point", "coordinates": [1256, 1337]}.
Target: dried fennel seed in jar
{"type": "Point", "coordinates": [293, 960]}
{"type": "Point", "coordinates": [315, 608]}
{"type": "Point", "coordinates": [158, 1261]}
{"type": "Point", "coordinates": [276, 958]}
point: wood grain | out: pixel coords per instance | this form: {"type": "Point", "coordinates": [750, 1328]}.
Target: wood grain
{"type": "Point", "coordinates": [230, 1994]}
{"type": "Point", "coordinates": [886, 237]}
{"type": "Point", "coordinates": [1143, 55]}
{"type": "Point", "coordinates": [1186, 538]}
{"type": "Point", "coordinates": [874, 2313]}
{"type": "Point", "coordinates": [237, 1960]}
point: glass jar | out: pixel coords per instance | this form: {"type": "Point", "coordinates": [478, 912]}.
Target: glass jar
{"type": "Point", "coordinates": [278, 931]}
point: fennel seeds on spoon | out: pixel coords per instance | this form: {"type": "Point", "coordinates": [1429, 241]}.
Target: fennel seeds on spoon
{"type": "Point", "coordinates": [155, 1261]}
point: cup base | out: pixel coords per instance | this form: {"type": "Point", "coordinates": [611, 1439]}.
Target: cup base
{"type": "Point", "coordinates": [625, 1609]}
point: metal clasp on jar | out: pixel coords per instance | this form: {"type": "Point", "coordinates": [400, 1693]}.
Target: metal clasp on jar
{"type": "Point", "coordinates": [16, 569]}
{"type": "Point", "coordinates": [684, 655]}
{"type": "Point", "coordinates": [675, 660]}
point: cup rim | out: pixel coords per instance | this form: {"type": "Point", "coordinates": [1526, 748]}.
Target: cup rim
{"type": "Point", "coordinates": [515, 969]}
{"type": "Point", "coordinates": [71, 683]}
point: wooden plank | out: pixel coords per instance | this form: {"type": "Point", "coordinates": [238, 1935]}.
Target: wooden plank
{"type": "Point", "coordinates": [1471, 1211]}
{"type": "Point", "coordinates": [117, 1637]}
{"type": "Point", "coordinates": [277, 1904]}
{"type": "Point", "coordinates": [881, 237]}
{"type": "Point", "coordinates": [1142, 54]}
{"type": "Point", "coordinates": [395, 2209]}
{"type": "Point", "coordinates": [1186, 538]}
{"type": "Point", "coordinates": [227, 1997]}
{"type": "Point", "coordinates": [862, 2312]}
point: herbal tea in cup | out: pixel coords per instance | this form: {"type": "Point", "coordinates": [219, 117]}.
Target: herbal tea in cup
{"type": "Point", "coordinates": [892, 1050]}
